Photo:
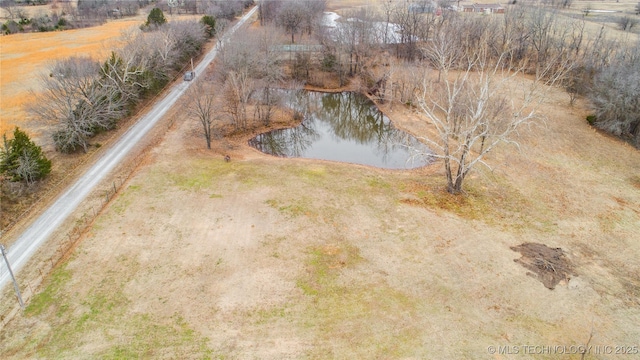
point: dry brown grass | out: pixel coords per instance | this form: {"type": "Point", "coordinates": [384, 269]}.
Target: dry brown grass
{"type": "Point", "coordinates": [274, 258]}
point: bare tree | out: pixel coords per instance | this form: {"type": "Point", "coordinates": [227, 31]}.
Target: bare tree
{"type": "Point", "coordinates": [406, 81]}
{"type": "Point", "coordinates": [473, 110]}
{"type": "Point", "coordinates": [443, 52]}
{"type": "Point", "coordinates": [237, 92]}
{"type": "Point", "coordinates": [312, 11]}
{"type": "Point", "coordinates": [188, 38]}
{"type": "Point", "coordinates": [10, 7]}
{"type": "Point", "coordinates": [77, 103]}
{"type": "Point", "coordinates": [27, 168]}
{"type": "Point", "coordinates": [238, 65]}
{"type": "Point", "coordinates": [250, 70]}
{"type": "Point", "coordinates": [268, 10]}
{"type": "Point", "coordinates": [227, 9]}
{"type": "Point", "coordinates": [268, 71]}
{"type": "Point", "coordinates": [221, 26]}
{"type": "Point", "coordinates": [124, 73]}
{"type": "Point", "coordinates": [626, 23]}
{"type": "Point", "coordinates": [202, 107]}
{"type": "Point", "coordinates": [387, 9]}
{"type": "Point", "coordinates": [414, 26]}
{"type": "Point", "coordinates": [291, 17]}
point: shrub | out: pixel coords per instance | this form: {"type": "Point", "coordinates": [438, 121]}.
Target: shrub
{"type": "Point", "coordinates": [210, 23]}
{"type": "Point", "coordinates": [591, 119]}
{"type": "Point", "coordinates": [626, 23]}
{"type": "Point", "coordinates": [615, 98]}
{"type": "Point", "coordinates": [22, 160]}
{"type": "Point", "coordinates": [11, 27]}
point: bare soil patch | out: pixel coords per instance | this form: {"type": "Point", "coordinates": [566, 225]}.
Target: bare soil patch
{"type": "Point", "coordinates": [549, 265]}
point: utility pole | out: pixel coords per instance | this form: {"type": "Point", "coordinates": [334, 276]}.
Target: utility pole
{"type": "Point", "coordinates": [15, 284]}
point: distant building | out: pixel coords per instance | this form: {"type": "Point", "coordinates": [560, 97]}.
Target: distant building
{"type": "Point", "coordinates": [484, 8]}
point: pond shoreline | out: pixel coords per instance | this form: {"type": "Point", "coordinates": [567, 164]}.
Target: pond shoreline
{"type": "Point", "coordinates": [345, 126]}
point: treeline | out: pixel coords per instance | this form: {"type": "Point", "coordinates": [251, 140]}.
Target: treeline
{"type": "Point", "coordinates": [221, 9]}
{"type": "Point", "coordinates": [65, 15]}
{"type": "Point", "coordinates": [390, 50]}
{"type": "Point", "coordinates": [251, 68]}
{"type": "Point", "coordinates": [293, 16]}
{"type": "Point", "coordinates": [83, 97]}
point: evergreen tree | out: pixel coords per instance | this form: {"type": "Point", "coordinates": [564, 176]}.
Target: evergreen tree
{"type": "Point", "coordinates": [22, 160]}
{"type": "Point", "coordinates": [210, 23]}
{"type": "Point", "coordinates": [156, 18]}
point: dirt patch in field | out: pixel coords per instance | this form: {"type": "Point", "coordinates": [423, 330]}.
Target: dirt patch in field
{"type": "Point", "coordinates": [549, 265]}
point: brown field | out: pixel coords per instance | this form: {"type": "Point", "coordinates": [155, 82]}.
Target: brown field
{"type": "Point", "coordinates": [23, 57]}
{"type": "Point", "coordinates": [269, 258]}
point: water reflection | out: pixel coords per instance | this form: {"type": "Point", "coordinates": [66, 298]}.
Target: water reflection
{"type": "Point", "coordinates": [345, 127]}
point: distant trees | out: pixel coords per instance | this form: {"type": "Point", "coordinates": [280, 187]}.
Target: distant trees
{"type": "Point", "coordinates": [22, 160]}
{"type": "Point", "coordinates": [225, 9]}
{"type": "Point", "coordinates": [82, 13]}
{"type": "Point", "coordinates": [295, 17]}
{"type": "Point", "coordinates": [249, 71]}
{"type": "Point", "coordinates": [414, 26]}
{"type": "Point", "coordinates": [83, 97]}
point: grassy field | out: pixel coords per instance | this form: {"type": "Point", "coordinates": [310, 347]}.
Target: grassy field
{"type": "Point", "coordinates": [281, 258]}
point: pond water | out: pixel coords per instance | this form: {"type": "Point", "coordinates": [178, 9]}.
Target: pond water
{"type": "Point", "coordinates": [345, 127]}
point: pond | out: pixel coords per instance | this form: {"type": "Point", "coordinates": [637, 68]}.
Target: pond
{"type": "Point", "coordinates": [345, 127]}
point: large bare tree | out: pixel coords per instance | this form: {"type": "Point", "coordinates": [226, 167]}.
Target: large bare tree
{"type": "Point", "coordinates": [74, 99]}
{"type": "Point", "coordinates": [291, 17]}
{"type": "Point", "coordinates": [476, 103]}
{"type": "Point", "coordinates": [268, 71]}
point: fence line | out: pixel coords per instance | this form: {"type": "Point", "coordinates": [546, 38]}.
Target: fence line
{"type": "Point", "coordinates": [29, 283]}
